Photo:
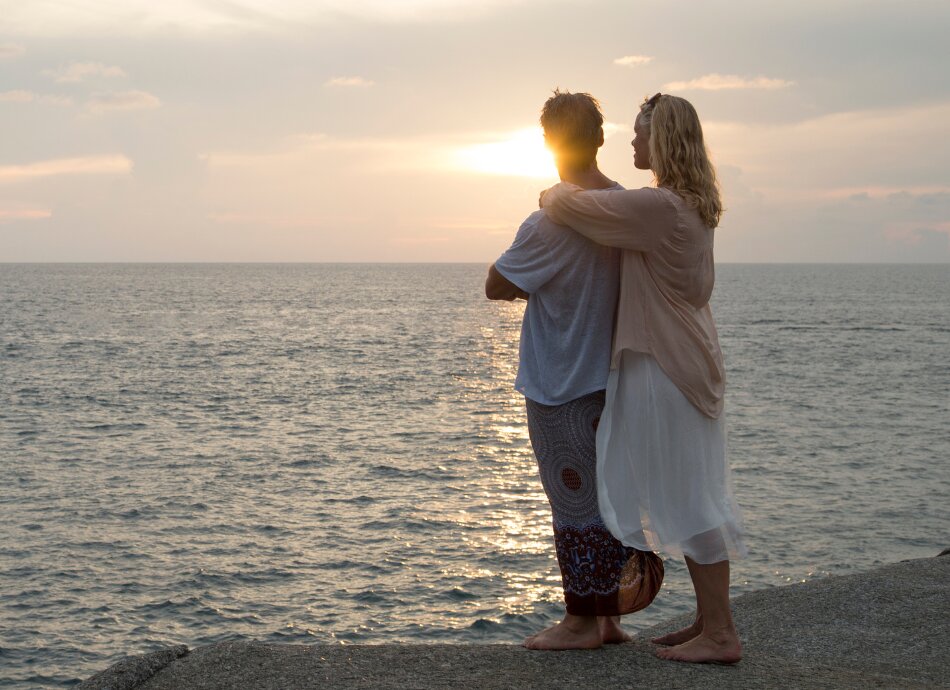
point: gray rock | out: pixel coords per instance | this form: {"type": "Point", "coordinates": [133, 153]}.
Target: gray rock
{"type": "Point", "coordinates": [889, 628]}
{"type": "Point", "coordinates": [132, 671]}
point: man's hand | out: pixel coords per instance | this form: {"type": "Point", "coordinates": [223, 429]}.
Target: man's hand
{"type": "Point", "coordinates": [498, 287]}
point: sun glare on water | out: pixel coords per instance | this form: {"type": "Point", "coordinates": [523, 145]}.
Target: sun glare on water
{"type": "Point", "coordinates": [520, 154]}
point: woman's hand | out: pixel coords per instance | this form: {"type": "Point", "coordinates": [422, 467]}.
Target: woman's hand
{"type": "Point", "coordinates": [549, 190]}
{"type": "Point", "coordinates": [541, 197]}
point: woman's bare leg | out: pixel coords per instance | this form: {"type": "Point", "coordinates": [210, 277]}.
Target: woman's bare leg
{"type": "Point", "coordinates": [718, 642]}
{"type": "Point", "coordinates": [690, 631]}
{"type": "Point", "coordinates": [682, 635]}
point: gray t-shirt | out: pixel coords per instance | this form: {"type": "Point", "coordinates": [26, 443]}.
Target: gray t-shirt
{"type": "Point", "coordinates": [568, 323]}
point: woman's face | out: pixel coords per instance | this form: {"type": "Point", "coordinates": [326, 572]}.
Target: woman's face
{"type": "Point", "coordinates": [641, 146]}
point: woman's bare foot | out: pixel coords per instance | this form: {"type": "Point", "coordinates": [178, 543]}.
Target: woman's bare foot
{"type": "Point", "coordinates": [680, 636]}
{"type": "Point", "coordinates": [720, 647]}
{"type": "Point", "coordinates": [610, 630]}
{"type": "Point", "coordinates": [574, 632]}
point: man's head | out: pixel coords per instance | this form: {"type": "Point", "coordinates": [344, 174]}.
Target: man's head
{"type": "Point", "coordinates": [573, 129]}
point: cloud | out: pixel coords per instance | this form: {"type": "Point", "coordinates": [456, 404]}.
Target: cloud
{"type": "Point", "coordinates": [895, 228]}
{"type": "Point", "coordinates": [876, 152]}
{"type": "Point", "coordinates": [476, 225]}
{"type": "Point", "coordinates": [58, 18]}
{"type": "Point", "coordinates": [32, 97]}
{"type": "Point", "coordinates": [305, 155]}
{"type": "Point", "coordinates": [720, 82]}
{"type": "Point", "coordinates": [122, 100]}
{"type": "Point", "coordinates": [349, 81]}
{"type": "Point", "coordinates": [17, 96]}
{"type": "Point", "coordinates": [302, 148]}
{"type": "Point", "coordinates": [11, 50]}
{"type": "Point", "coordinates": [612, 128]}
{"type": "Point", "coordinates": [913, 232]}
{"type": "Point", "coordinates": [633, 60]}
{"type": "Point", "coordinates": [271, 220]}
{"type": "Point", "coordinates": [512, 153]}
{"type": "Point", "coordinates": [76, 72]}
{"type": "Point", "coordinates": [880, 192]}
{"type": "Point", "coordinates": [88, 165]}
{"type": "Point", "coordinates": [15, 212]}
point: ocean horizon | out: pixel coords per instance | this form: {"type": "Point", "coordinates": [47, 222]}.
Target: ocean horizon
{"type": "Point", "coordinates": [440, 263]}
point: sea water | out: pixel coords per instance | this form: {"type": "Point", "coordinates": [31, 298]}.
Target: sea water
{"type": "Point", "coordinates": [335, 454]}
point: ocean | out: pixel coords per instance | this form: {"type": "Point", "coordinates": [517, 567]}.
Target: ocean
{"type": "Point", "coordinates": [311, 453]}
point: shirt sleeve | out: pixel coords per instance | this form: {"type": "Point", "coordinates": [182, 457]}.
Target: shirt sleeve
{"type": "Point", "coordinates": [637, 219]}
{"type": "Point", "coordinates": [530, 262]}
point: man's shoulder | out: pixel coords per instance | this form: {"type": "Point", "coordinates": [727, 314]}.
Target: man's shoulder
{"type": "Point", "coordinates": [540, 225]}
{"type": "Point", "coordinates": [537, 227]}
{"type": "Point", "coordinates": [532, 221]}
{"type": "Point", "coordinates": [548, 224]}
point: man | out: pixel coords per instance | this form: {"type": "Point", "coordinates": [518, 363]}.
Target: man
{"type": "Point", "coordinates": [571, 286]}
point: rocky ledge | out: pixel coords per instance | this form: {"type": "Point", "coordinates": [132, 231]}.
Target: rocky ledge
{"type": "Point", "coordinates": [888, 628]}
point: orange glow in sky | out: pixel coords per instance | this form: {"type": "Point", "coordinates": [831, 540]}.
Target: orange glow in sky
{"type": "Point", "coordinates": [519, 154]}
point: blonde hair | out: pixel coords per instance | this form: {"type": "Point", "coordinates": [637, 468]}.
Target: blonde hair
{"type": "Point", "coordinates": [573, 123]}
{"type": "Point", "coordinates": [678, 154]}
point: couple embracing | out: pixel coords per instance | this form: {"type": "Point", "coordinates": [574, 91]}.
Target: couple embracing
{"type": "Point", "coordinates": [623, 377]}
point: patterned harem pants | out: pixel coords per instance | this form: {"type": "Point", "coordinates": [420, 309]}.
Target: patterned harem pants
{"type": "Point", "coordinates": [600, 576]}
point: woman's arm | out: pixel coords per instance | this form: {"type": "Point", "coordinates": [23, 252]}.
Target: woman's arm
{"type": "Point", "coordinates": [636, 219]}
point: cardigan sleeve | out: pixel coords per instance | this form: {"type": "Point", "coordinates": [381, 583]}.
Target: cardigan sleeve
{"type": "Point", "coordinates": [636, 219]}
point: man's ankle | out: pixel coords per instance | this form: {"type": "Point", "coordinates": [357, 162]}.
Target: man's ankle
{"type": "Point", "coordinates": [579, 622]}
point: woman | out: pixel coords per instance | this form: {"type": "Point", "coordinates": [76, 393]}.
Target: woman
{"type": "Point", "coordinates": [663, 478]}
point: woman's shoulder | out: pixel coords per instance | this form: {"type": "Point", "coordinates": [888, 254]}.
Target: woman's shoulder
{"type": "Point", "coordinates": [654, 196]}
{"type": "Point", "coordinates": [670, 196]}
{"type": "Point", "coordinates": [687, 214]}
{"type": "Point", "coordinates": [641, 199]}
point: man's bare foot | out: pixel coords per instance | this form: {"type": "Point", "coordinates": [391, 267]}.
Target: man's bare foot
{"type": "Point", "coordinates": [721, 647]}
{"type": "Point", "coordinates": [680, 636]}
{"type": "Point", "coordinates": [573, 632]}
{"type": "Point", "coordinates": [610, 630]}
{"type": "Point", "coordinates": [528, 639]}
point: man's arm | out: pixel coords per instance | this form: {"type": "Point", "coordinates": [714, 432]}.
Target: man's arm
{"type": "Point", "coordinates": [526, 265]}
{"type": "Point", "coordinates": [500, 288]}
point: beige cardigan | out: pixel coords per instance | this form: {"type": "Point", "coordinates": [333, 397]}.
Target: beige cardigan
{"type": "Point", "coordinates": [666, 280]}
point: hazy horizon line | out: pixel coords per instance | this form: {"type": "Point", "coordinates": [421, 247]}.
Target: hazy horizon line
{"type": "Point", "coordinates": [439, 263]}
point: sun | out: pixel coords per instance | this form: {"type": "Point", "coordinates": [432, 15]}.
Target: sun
{"type": "Point", "coordinates": [519, 154]}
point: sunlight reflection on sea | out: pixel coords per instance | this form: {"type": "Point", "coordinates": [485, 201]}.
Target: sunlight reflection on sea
{"type": "Point", "coordinates": [319, 453]}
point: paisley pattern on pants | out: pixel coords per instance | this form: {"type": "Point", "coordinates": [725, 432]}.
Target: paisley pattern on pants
{"type": "Point", "coordinates": [599, 574]}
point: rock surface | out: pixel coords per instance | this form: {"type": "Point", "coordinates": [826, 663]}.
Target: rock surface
{"type": "Point", "coordinates": [132, 671]}
{"type": "Point", "coordinates": [889, 628]}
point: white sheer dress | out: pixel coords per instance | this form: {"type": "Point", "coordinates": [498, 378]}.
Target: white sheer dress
{"type": "Point", "coordinates": [662, 472]}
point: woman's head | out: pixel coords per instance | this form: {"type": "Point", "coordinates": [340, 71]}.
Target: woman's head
{"type": "Point", "coordinates": [669, 141]}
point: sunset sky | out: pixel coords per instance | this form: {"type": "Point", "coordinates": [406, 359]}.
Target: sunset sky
{"type": "Point", "coordinates": [406, 130]}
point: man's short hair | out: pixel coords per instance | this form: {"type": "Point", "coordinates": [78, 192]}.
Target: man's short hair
{"type": "Point", "coordinates": [572, 120]}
